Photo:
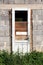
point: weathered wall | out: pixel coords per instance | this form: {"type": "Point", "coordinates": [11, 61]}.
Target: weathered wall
{"type": "Point", "coordinates": [5, 39]}
{"type": "Point", "coordinates": [37, 16]}
{"type": "Point", "coordinates": [37, 19]}
{"type": "Point", "coordinates": [21, 1]}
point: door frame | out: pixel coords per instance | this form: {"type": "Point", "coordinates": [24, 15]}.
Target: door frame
{"type": "Point", "coordinates": [13, 23]}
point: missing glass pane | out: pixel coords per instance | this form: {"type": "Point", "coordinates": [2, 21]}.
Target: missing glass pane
{"type": "Point", "coordinates": [20, 15]}
{"type": "Point", "coordinates": [21, 25]}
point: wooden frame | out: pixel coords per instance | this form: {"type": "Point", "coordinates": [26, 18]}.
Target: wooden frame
{"type": "Point", "coordinates": [13, 26]}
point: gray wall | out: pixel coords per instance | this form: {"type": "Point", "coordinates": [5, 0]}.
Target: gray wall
{"type": "Point", "coordinates": [5, 30]}
{"type": "Point", "coordinates": [21, 1]}
{"type": "Point", "coordinates": [5, 40]}
{"type": "Point", "coordinates": [37, 19]}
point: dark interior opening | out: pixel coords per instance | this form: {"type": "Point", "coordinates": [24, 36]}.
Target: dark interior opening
{"type": "Point", "coordinates": [21, 16]}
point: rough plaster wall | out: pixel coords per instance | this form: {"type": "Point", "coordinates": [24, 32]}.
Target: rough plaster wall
{"type": "Point", "coordinates": [8, 1]}
{"type": "Point", "coordinates": [1, 1]}
{"type": "Point", "coordinates": [37, 19]}
{"type": "Point", "coordinates": [34, 1]}
{"type": "Point", "coordinates": [21, 1]}
{"type": "Point", "coordinates": [5, 41]}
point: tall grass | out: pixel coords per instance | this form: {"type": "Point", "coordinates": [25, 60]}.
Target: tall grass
{"type": "Point", "coordinates": [33, 58]}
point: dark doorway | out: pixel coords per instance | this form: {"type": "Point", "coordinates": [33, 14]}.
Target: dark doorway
{"type": "Point", "coordinates": [20, 15]}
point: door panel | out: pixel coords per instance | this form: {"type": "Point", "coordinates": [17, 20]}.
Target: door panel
{"type": "Point", "coordinates": [21, 30]}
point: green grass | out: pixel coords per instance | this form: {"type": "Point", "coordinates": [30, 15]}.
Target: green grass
{"type": "Point", "coordinates": [33, 58]}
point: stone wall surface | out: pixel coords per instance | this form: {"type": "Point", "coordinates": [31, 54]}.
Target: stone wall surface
{"type": "Point", "coordinates": [37, 19]}
{"type": "Point", "coordinates": [5, 39]}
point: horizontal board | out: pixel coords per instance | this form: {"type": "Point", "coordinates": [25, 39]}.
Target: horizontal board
{"type": "Point", "coordinates": [21, 33]}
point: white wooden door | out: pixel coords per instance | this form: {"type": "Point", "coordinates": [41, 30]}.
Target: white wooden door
{"type": "Point", "coordinates": [18, 42]}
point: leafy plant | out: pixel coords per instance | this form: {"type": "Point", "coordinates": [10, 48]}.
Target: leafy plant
{"type": "Point", "coordinates": [33, 58]}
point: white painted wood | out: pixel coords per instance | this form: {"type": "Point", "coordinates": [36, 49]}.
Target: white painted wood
{"type": "Point", "coordinates": [28, 44]}
{"type": "Point", "coordinates": [19, 43]}
{"type": "Point", "coordinates": [21, 33]}
{"type": "Point", "coordinates": [28, 22]}
{"type": "Point", "coordinates": [13, 29]}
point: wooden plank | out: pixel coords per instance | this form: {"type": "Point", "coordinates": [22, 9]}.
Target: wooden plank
{"type": "Point", "coordinates": [31, 33]}
{"type": "Point", "coordinates": [21, 26]}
